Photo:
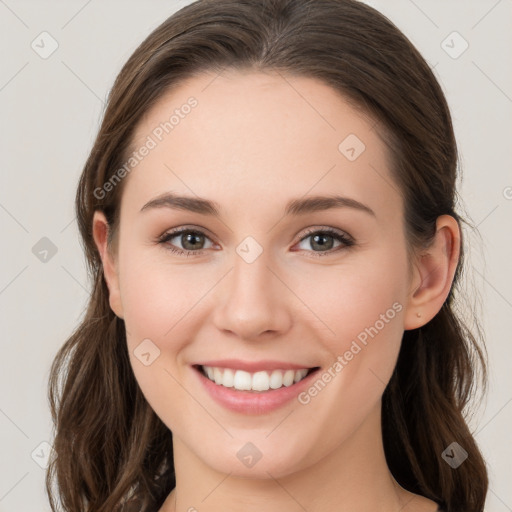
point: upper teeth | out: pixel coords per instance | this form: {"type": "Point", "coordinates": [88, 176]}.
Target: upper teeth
{"type": "Point", "coordinates": [259, 381]}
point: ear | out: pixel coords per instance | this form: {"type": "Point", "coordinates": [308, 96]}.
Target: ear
{"type": "Point", "coordinates": [433, 274]}
{"type": "Point", "coordinates": [100, 232]}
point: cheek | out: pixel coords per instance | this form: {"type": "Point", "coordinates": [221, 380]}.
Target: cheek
{"type": "Point", "coordinates": [158, 305]}
{"type": "Point", "coordinates": [161, 303]}
{"type": "Point", "coordinates": [156, 295]}
{"type": "Point", "coordinates": [361, 307]}
{"type": "Point", "coordinates": [351, 298]}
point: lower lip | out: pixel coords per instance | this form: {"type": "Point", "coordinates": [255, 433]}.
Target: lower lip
{"type": "Point", "coordinates": [248, 402]}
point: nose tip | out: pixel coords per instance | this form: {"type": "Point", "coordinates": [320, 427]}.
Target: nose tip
{"type": "Point", "coordinates": [252, 302]}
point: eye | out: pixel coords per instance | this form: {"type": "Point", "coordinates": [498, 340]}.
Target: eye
{"type": "Point", "coordinates": [191, 240]}
{"type": "Point", "coordinates": [324, 240]}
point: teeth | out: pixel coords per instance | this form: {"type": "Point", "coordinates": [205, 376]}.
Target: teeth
{"type": "Point", "coordinates": [259, 381]}
{"type": "Point", "coordinates": [228, 379]}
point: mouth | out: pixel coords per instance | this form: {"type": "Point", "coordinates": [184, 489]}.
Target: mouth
{"type": "Point", "coordinates": [263, 381]}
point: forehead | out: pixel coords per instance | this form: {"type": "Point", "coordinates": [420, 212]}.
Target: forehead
{"type": "Point", "coordinates": [255, 133]}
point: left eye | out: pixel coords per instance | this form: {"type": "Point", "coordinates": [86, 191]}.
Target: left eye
{"type": "Point", "coordinates": [324, 240]}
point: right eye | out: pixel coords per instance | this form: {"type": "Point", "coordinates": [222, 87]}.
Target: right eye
{"type": "Point", "coordinates": [188, 238]}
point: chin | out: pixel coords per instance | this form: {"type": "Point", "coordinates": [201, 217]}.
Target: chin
{"type": "Point", "coordinates": [257, 460]}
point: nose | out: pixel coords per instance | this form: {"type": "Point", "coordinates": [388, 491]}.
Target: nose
{"type": "Point", "coordinates": [253, 302]}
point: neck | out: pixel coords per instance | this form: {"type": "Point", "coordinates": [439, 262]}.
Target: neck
{"type": "Point", "coordinates": [354, 477]}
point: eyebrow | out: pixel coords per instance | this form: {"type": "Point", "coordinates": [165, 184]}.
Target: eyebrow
{"type": "Point", "coordinates": [298, 206]}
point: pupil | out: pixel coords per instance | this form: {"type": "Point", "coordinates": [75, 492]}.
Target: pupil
{"type": "Point", "coordinates": [191, 237]}
{"type": "Point", "coordinates": [321, 245]}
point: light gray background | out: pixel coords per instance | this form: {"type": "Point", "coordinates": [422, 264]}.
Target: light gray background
{"type": "Point", "coordinates": [50, 111]}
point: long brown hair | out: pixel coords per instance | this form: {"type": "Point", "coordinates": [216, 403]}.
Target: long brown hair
{"type": "Point", "coordinates": [109, 443]}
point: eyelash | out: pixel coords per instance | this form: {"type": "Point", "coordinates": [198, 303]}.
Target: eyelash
{"type": "Point", "coordinates": [346, 240]}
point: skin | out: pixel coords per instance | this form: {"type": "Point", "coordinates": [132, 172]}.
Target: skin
{"type": "Point", "coordinates": [260, 135]}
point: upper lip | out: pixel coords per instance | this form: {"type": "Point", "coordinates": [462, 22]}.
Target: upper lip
{"type": "Point", "coordinates": [253, 366]}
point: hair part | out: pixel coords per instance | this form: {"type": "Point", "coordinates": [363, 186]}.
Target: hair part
{"type": "Point", "coordinates": [110, 444]}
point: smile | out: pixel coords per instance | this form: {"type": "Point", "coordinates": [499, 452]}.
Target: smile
{"type": "Point", "coordinates": [253, 388]}
{"type": "Point", "coordinates": [260, 381]}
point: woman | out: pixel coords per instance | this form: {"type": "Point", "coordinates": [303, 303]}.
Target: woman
{"type": "Point", "coordinates": [268, 217]}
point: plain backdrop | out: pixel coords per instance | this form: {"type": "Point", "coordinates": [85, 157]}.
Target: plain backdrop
{"type": "Point", "coordinates": [50, 111]}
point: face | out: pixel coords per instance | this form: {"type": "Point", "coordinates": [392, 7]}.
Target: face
{"type": "Point", "coordinates": [255, 288]}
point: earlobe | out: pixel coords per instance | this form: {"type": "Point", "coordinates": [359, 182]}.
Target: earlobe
{"type": "Point", "coordinates": [100, 235]}
{"type": "Point", "coordinates": [434, 272]}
